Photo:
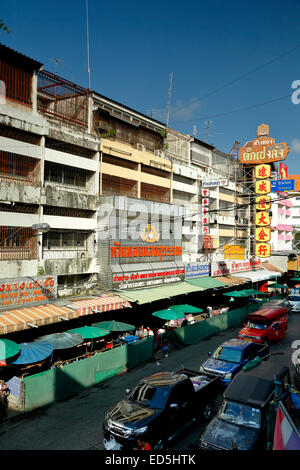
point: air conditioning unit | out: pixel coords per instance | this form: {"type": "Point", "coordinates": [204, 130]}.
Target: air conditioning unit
{"type": "Point", "coordinates": [141, 147]}
{"type": "Point", "coordinates": [159, 153]}
{"type": "Point", "coordinates": [103, 125]}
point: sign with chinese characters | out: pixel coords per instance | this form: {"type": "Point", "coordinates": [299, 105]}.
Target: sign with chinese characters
{"type": "Point", "coordinates": [263, 187]}
{"type": "Point", "coordinates": [263, 149]}
{"type": "Point", "coordinates": [234, 252]}
{"type": "Point", "coordinates": [263, 250]}
{"type": "Point", "coordinates": [204, 192]}
{"type": "Point", "coordinates": [263, 203]}
{"type": "Point", "coordinates": [26, 291]}
{"type": "Point", "coordinates": [263, 234]}
{"type": "Point", "coordinates": [262, 218]}
{"type": "Point", "coordinates": [263, 171]}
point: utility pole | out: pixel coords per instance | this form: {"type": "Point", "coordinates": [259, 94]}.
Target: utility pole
{"type": "Point", "coordinates": [88, 42]}
{"type": "Point", "coordinates": [169, 101]}
{"type": "Point", "coordinates": [208, 123]}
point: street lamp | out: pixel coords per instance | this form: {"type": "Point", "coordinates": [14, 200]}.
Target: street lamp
{"type": "Point", "coordinates": [43, 228]}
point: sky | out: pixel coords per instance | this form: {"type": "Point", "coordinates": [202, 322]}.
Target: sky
{"type": "Point", "coordinates": [223, 67]}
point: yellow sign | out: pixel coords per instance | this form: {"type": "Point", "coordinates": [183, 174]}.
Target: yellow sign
{"type": "Point", "coordinates": [263, 187]}
{"type": "Point", "coordinates": [262, 234]}
{"type": "Point", "coordinates": [263, 171]}
{"type": "Point", "coordinates": [263, 203]}
{"type": "Point", "coordinates": [262, 218]}
{"type": "Point", "coordinates": [263, 250]}
{"type": "Point", "coordinates": [263, 149]}
{"type": "Point", "coordinates": [234, 252]}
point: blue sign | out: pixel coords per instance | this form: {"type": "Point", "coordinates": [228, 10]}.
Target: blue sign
{"type": "Point", "coordinates": [282, 185]}
{"type": "Point", "coordinates": [197, 269]}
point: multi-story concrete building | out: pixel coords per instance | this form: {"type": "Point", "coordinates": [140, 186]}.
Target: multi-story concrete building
{"type": "Point", "coordinates": [49, 175]}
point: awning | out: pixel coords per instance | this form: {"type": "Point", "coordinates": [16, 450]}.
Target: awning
{"type": "Point", "coordinates": [271, 267]}
{"type": "Point", "coordinates": [143, 296]}
{"type": "Point", "coordinates": [232, 281]}
{"type": "Point", "coordinates": [24, 318]}
{"type": "Point", "coordinates": [99, 304]}
{"type": "Point", "coordinates": [206, 282]}
{"type": "Point", "coordinates": [259, 275]}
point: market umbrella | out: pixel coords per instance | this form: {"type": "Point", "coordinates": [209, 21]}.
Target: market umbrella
{"type": "Point", "coordinates": [8, 350]}
{"type": "Point", "coordinates": [186, 309]}
{"type": "Point", "coordinates": [61, 340]}
{"type": "Point", "coordinates": [113, 325]}
{"type": "Point", "coordinates": [277, 286]}
{"type": "Point", "coordinates": [295, 279]}
{"type": "Point", "coordinates": [90, 332]}
{"type": "Point", "coordinates": [168, 314]}
{"type": "Point", "coordinates": [33, 352]}
{"type": "Point", "coordinates": [237, 293]}
{"type": "Point", "coordinates": [254, 292]}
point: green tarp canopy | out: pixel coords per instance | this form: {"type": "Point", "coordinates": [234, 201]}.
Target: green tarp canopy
{"type": "Point", "coordinates": [206, 282]}
{"type": "Point", "coordinates": [243, 293]}
{"type": "Point", "coordinates": [143, 296]}
{"type": "Point", "coordinates": [295, 279]}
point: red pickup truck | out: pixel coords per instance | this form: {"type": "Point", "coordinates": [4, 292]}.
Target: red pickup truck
{"type": "Point", "coordinates": [265, 325]}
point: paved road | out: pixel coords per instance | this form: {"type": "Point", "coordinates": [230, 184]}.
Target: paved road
{"type": "Point", "coordinates": [76, 424]}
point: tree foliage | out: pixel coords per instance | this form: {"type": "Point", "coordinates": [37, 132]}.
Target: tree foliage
{"type": "Point", "coordinates": [4, 26]}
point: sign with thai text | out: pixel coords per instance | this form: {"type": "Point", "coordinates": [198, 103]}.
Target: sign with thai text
{"type": "Point", "coordinates": [197, 270]}
{"type": "Point", "coordinates": [25, 291]}
{"type": "Point", "coordinates": [282, 185]}
{"type": "Point", "coordinates": [212, 183]}
{"type": "Point", "coordinates": [234, 252]}
{"type": "Point", "coordinates": [224, 268]}
{"type": "Point", "coordinates": [134, 280]}
{"type": "Point", "coordinates": [141, 251]}
{"type": "Point", "coordinates": [263, 149]}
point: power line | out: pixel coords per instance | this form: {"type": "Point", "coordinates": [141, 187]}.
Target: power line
{"type": "Point", "coordinates": [256, 69]}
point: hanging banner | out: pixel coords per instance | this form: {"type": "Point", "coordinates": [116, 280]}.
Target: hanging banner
{"type": "Point", "coordinates": [283, 171]}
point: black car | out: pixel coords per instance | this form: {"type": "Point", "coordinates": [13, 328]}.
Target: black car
{"type": "Point", "coordinates": [242, 421]}
{"type": "Point", "coordinates": [160, 406]}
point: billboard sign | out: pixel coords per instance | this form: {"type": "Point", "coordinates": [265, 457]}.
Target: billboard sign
{"type": "Point", "coordinates": [282, 185]}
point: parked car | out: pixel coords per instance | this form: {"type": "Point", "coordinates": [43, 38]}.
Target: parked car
{"type": "Point", "coordinates": [229, 358]}
{"type": "Point", "coordinates": [295, 302]}
{"type": "Point", "coordinates": [242, 421]}
{"type": "Point", "coordinates": [160, 406]}
{"type": "Point", "coordinates": [266, 325]}
{"type": "Point", "coordinates": [279, 303]}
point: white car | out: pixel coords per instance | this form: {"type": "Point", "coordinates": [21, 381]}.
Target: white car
{"type": "Point", "coordinates": [294, 300]}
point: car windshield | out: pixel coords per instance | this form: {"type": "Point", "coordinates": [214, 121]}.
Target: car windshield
{"type": "Point", "coordinates": [294, 298]}
{"type": "Point", "coordinates": [240, 414]}
{"type": "Point", "coordinates": [257, 326]}
{"type": "Point", "coordinates": [148, 395]}
{"type": "Point", "coordinates": [227, 354]}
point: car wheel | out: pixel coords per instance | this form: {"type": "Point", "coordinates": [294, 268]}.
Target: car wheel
{"type": "Point", "coordinates": [159, 444]}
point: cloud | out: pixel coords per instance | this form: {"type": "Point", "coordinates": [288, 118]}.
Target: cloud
{"type": "Point", "coordinates": [185, 110]}
{"type": "Point", "coordinates": [295, 146]}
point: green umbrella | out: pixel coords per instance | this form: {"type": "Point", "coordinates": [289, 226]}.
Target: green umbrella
{"type": "Point", "coordinates": [295, 279]}
{"type": "Point", "coordinates": [186, 309]}
{"type": "Point", "coordinates": [8, 349]}
{"type": "Point", "coordinates": [168, 314]}
{"type": "Point", "coordinates": [90, 332]}
{"type": "Point", "coordinates": [277, 286]}
{"type": "Point", "coordinates": [237, 293]}
{"type": "Point", "coordinates": [114, 325]}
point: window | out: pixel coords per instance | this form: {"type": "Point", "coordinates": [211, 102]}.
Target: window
{"type": "Point", "coordinates": [227, 354]}
{"type": "Point", "coordinates": [241, 414]}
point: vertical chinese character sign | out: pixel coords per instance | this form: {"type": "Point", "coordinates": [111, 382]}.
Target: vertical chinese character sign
{"type": "Point", "coordinates": [262, 217]}
{"type": "Point", "coordinates": [205, 211]}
